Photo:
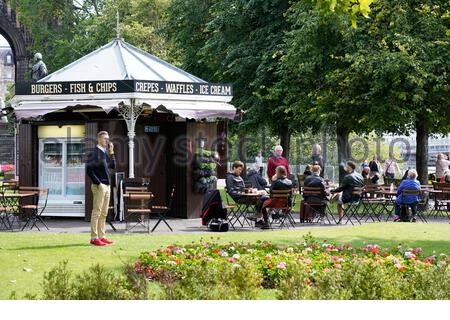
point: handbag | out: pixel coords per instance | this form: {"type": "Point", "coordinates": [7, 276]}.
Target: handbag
{"type": "Point", "coordinates": [218, 225]}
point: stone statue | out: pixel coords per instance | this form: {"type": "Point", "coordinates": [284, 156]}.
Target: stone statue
{"type": "Point", "coordinates": [39, 69]}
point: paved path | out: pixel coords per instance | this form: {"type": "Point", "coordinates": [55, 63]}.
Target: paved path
{"type": "Point", "coordinates": [73, 225]}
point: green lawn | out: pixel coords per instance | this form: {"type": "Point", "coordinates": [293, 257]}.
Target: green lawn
{"type": "Point", "coordinates": [40, 252]}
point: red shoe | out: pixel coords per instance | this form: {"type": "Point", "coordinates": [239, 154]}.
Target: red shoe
{"type": "Point", "coordinates": [97, 242]}
{"type": "Point", "coordinates": [104, 240]}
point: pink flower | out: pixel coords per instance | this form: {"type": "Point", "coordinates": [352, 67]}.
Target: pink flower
{"type": "Point", "coordinates": [268, 256]}
{"type": "Point", "coordinates": [223, 253]}
{"type": "Point", "coordinates": [307, 261]}
{"type": "Point", "coordinates": [334, 258]}
{"type": "Point", "coordinates": [399, 267]}
{"type": "Point", "coordinates": [326, 269]}
{"type": "Point", "coordinates": [152, 254]}
{"type": "Point", "coordinates": [232, 260]}
{"type": "Point", "coordinates": [337, 266]}
{"type": "Point", "coordinates": [281, 265]}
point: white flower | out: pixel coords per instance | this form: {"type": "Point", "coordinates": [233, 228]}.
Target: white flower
{"type": "Point", "coordinates": [172, 263]}
{"type": "Point", "coordinates": [236, 266]}
{"type": "Point", "coordinates": [236, 256]}
{"type": "Point", "coordinates": [232, 248]}
{"type": "Point", "coordinates": [290, 249]}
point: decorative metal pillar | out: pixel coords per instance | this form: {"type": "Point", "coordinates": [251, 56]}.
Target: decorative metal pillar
{"type": "Point", "coordinates": [130, 114]}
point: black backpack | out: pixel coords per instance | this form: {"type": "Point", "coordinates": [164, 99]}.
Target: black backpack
{"type": "Point", "coordinates": [218, 225]}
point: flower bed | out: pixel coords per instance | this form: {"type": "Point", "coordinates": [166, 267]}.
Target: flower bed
{"type": "Point", "coordinates": [300, 270]}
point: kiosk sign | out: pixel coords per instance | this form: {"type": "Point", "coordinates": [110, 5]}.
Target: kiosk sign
{"type": "Point", "coordinates": [123, 86]}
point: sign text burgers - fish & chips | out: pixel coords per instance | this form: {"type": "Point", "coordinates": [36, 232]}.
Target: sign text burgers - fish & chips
{"type": "Point", "coordinates": [123, 86]}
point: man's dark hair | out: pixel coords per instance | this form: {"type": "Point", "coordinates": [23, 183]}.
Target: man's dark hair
{"type": "Point", "coordinates": [238, 164]}
{"type": "Point", "coordinates": [351, 164]}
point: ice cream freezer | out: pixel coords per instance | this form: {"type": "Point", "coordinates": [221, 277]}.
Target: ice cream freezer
{"type": "Point", "coordinates": [62, 170]}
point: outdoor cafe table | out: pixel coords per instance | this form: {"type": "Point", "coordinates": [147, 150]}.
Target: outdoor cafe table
{"type": "Point", "coordinates": [11, 203]}
{"type": "Point", "coordinates": [437, 197]}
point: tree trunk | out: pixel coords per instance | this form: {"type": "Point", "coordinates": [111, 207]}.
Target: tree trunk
{"type": "Point", "coordinates": [343, 150]}
{"type": "Point", "coordinates": [285, 141]}
{"type": "Point", "coordinates": [422, 150]}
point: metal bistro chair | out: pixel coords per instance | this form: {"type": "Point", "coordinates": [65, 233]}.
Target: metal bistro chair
{"type": "Point", "coordinates": [4, 218]}
{"type": "Point", "coordinates": [137, 210]}
{"type": "Point", "coordinates": [39, 203]}
{"type": "Point", "coordinates": [10, 186]}
{"type": "Point", "coordinates": [351, 208]}
{"type": "Point", "coordinates": [319, 209]}
{"type": "Point", "coordinates": [162, 210]}
{"type": "Point", "coordinates": [280, 200]}
{"type": "Point", "coordinates": [232, 210]}
{"type": "Point", "coordinates": [414, 193]}
{"type": "Point", "coordinates": [374, 203]}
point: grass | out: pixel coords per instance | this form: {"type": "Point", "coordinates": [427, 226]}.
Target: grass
{"type": "Point", "coordinates": [40, 252]}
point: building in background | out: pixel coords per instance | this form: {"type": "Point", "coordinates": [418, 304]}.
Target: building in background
{"type": "Point", "coordinates": [408, 148]}
{"type": "Point", "coordinates": [6, 67]}
{"type": "Point", "coordinates": [6, 80]}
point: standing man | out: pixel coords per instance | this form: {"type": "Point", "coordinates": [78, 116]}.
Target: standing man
{"type": "Point", "coordinates": [100, 161]}
{"type": "Point", "coordinates": [275, 161]}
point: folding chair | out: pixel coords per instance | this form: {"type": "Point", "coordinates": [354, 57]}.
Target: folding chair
{"type": "Point", "coordinates": [280, 200]}
{"type": "Point", "coordinates": [232, 209]}
{"type": "Point", "coordinates": [162, 210]}
{"type": "Point", "coordinates": [137, 210]}
{"type": "Point", "coordinates": [3, 212]}
{"type": "Point", "coordinates": [423, 205]}
{"type": "Point", "coordinates": [351, 208]}
{"type": "Point", "coordinates": [318, 208]}
{"type": "Point", "coordinates": [411, 193]}
{"type": "Point", "coordinates": [10, 186]}
{"type": "Point", "coordinates": [36, 208]}
{"type": "Point", "coordinates": [374, 203]}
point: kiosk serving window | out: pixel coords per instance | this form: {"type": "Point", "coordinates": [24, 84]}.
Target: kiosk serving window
{"type": "Point", "coordinates": [62, 169]}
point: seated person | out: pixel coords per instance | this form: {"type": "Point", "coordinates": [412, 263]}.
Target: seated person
{"type": "Point", "coordinates": [255, 179]}
{"type": "Point", "coordinates": [351, 180]}
{"type": "Point", "coordinates": [279, 183]}
{"type": "Point", "coordinates": [315, 181]}
{"type": "Point", "coordinates": [447, 176]}
{"type": "Point", "coordinates": [234, 182]}
{"type": "Point", "coordinates": [307, 171]}
{"type": "Point", "coordinates": [410, 183]}
{"type": "Point", "coordinates": [365, 172]}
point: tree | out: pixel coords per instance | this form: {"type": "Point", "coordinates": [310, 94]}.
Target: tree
{"type": "Point", "coordinates": [236, 41]}
{"type": "Point", "coordinates": [403, 66]}
{"type": "Point", "coordinates": [311, 52]}
{"type": "Point", "coordinates": [64, 31]}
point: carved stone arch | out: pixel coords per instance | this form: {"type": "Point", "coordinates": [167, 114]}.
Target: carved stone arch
{"type": "Point", "coordinates": [19, 39]}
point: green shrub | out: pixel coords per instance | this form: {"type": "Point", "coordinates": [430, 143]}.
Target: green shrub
{"type": "Point", "coordinates": [216, 281]}
{"type": "Point", "coordinates": [96, 283]}
{"type": "Point", "coordinates": [367, 281]}
{"type": "Point", "coordinates": [57, 284]}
